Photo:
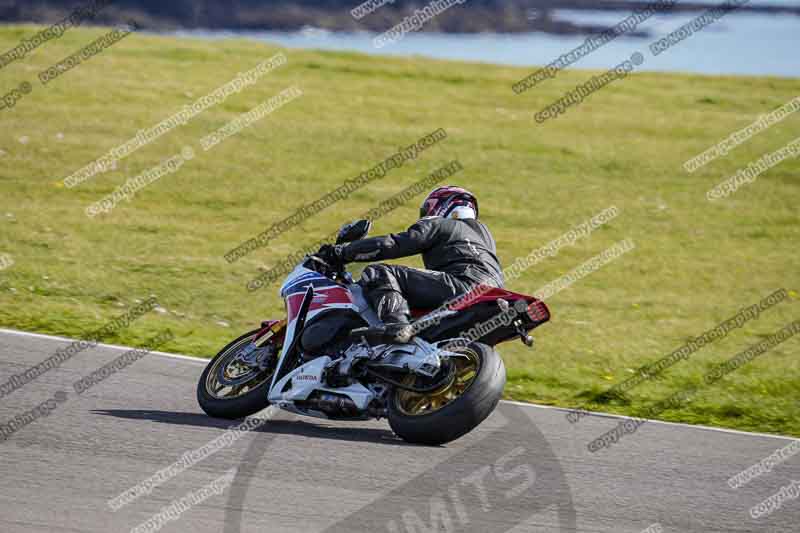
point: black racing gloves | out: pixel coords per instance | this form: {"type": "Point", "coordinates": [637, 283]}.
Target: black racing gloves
{"type": "Point", "coordinates": [333, 254]}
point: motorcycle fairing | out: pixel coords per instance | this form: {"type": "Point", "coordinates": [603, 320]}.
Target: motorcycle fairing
{"type": "Point", "coordinates": [310, 297]}
{"type": "Point", "coordinates": [327, 293]}
{"type": "Point", "coordinates": [299, 384]}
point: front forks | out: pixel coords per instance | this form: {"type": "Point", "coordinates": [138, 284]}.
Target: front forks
{"type": "Point", "coordinates": [255, 356]}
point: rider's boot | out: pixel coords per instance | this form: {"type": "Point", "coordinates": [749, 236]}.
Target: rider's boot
{"type": "Point", "coordinates": [400, 331]}
{"type": "Point", "coordinates": [393, 311]}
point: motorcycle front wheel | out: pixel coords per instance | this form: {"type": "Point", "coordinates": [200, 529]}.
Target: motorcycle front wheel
{"type": "Point", "coordinates": [463, 401]}
{"type": "Point", "coordinates": [230, 389]}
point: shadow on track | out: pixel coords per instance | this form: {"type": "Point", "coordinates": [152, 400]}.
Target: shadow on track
{"type": "Point", "coordinates": [273, 427]}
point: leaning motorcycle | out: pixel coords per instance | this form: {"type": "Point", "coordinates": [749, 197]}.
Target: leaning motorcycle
{"type": "Point", "coordinates": [327, 359]}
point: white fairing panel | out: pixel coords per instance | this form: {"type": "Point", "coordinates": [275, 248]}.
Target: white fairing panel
{"type": "Point", "coordinates": [307, 379]}
{"type": "Point", "coordinates": [364, 309]}
{"type": "Point", "coordinates": [304, 380]}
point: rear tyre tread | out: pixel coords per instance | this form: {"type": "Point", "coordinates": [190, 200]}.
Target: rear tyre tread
{"type": "Point", "coordinates": [462, 415]}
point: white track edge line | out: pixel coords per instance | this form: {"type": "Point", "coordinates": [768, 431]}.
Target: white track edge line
{"type": "Point", "coordinates": [193, 359]}
{"type": "Point", "coordinates": [600, 414]}
{"type": "Point", "coordinates": [597, 414]}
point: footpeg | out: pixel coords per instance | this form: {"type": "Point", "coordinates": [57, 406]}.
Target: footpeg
{"type": "Point", "coordinates": [526, 339]}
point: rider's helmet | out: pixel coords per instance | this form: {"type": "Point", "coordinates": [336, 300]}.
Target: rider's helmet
{"type": "Point", "coordinates": [449, 201]}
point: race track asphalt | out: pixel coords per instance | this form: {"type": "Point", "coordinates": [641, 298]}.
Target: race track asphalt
{"type": "Point", "coordinates": [525, 469]}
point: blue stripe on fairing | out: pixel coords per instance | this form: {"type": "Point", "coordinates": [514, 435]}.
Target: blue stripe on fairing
{"type": "Point", "coordinates": [302, 283]}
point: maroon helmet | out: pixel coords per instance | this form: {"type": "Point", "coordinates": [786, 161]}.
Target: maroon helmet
{"type": "Point", "coordinates": [441, 202]}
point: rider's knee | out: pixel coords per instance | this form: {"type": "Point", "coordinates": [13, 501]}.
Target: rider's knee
{"type": "Point", "coordinates": [376, 274]}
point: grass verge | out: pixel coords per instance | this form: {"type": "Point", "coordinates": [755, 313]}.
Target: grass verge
{"type": "Point", "coordinates": [696, 263]}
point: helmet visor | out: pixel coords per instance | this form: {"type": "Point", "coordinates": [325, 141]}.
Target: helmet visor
{"type": "Point", "coordinates": [427, 207]}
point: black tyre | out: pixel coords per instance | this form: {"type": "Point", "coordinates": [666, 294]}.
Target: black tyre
{"type": "Point", "coordinates": [458, 406]}
{"type": "Point", "coordinates": [228, 389]}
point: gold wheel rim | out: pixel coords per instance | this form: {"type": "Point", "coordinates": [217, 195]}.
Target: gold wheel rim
{"type": "Point", "coordinates": [234, 370]}
{"type": "Point", "coordinates": [417, 404]}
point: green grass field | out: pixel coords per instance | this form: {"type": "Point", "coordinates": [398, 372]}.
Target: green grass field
{"type": "Point", "coordinates": [696, 263]}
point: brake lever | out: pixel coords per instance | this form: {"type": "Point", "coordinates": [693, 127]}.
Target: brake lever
{"type": "Point", "coordinates": [318, 259]}
{"type": "Point", "coordinates": [338, 271]}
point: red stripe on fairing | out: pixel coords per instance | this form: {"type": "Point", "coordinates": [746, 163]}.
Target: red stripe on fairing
{"type": "Point", "coordinates": [293, 303]}
{"type": "Point", "coordinates": [323, 297]}
{"type": "Point", "coordinates": [331, 296]}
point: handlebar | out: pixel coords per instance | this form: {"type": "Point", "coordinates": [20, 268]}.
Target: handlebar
{"type": "Point", "coordinates": [335, 272]}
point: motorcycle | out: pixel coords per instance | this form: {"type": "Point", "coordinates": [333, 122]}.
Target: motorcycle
{"type": "Point", "coordinates": [328, 359]}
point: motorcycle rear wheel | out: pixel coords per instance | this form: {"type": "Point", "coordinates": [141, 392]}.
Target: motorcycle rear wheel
{"type": "Point", "coordinates": [457, 407]}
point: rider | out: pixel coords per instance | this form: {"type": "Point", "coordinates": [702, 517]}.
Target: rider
{"type": "Point", "coordinates": [458, 250]}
